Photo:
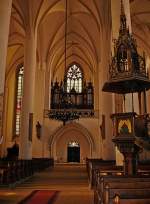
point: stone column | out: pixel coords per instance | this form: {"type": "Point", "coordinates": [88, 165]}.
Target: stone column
{"type": "Point", "coordinates": [105, 102]}
{"type": "Point", "coordinates": [38, 145]}
{"type": "Point", "coordinates": [47, 97]}
{"type": "Point", "coordinates": [5, 13]}
{"type": "Point", "coordinates": [28, 96]}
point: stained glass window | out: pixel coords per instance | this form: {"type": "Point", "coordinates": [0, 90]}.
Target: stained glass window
{"type": "Point", "coordinates": [19, 92]}
{"type": "Point", "coordinates": [74, 78]}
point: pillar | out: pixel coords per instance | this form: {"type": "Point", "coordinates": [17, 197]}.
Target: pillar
{"type": "Point", "coordinates": [48, 80]}
{"type": "Point", "coordinates": [38, 145]}
{"type": "Point", "coordinates": [105, 99]}
{"type": "Point", "coordinates": [27, 119]}
{"type": "Point", "coordinates": [47, 100]}
{"type": "Point", "coordinates": [5, 13]}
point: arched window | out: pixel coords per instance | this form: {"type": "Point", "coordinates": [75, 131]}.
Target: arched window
{"type": "Point", "coordinates": [18, 105]}
{"type": "Point", "coordinates": [73, 92]}
{"type": "Point", "coordinates": [74, 78]}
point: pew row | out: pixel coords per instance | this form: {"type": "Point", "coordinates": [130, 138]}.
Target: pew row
{"type": "Point", "coordinates": [122, 189]}
{"type": "Point", "coordinates": [108, 167]}
{"type": "Point", "coordinates": [13, 172]}
{"type": "Point", "coordinates": [94, 165]}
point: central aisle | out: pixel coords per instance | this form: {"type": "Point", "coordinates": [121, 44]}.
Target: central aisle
{"type": "Point", "coordinates": [69, 179]}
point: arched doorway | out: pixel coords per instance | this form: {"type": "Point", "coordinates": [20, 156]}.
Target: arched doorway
{"type": "Point", "coordinates": [73, 152]}
{"type": "Point", "coordinates": [60, 139]}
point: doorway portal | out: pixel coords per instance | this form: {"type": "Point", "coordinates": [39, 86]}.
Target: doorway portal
{"type": "Point", "coordinates": [73, 152]}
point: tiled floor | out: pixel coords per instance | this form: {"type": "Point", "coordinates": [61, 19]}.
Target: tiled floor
{"type": "Point", "coordinates": [69, 179]}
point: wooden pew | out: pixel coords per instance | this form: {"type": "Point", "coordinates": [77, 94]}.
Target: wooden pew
{"type": "Point", "coordinates": [104, 171]}
{"type": "Point", "coordinates": [104, 168]}
{"type": "Point", "coordinates": [5, 174]}
{"type": "Point", "coordinates": [108, 167]}
{"type": "Point", "coordinates": [144, 168]}
{"type": "Point", "coordinates": [42, 163]}
{"type": "Point", "coordinates": [16, 171]}
{"type": "Point", "coordinates": [91, 162]}
{"type": "Point", "coordinates": [126, 188]}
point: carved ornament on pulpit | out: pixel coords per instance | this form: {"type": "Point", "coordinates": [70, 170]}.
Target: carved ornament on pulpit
{"type": "Point", "coordinates": [128, 75]}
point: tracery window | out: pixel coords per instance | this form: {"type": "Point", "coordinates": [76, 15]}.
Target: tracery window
{"type": "Point", "coordinates": [73, 92]}
{"type": "Point", "coordinates": [19, 94]}
{"type": "Point", "coordinates": [74, 78]}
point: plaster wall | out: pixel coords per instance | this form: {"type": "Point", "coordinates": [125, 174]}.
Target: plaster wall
{"type": "Point", "coordinates": [86, 131]}
{"type": "Point", "coordinates": [62, 144]}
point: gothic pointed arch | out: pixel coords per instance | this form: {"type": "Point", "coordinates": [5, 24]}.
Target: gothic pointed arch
{"type": "Point", "coordinates": [55, 136]}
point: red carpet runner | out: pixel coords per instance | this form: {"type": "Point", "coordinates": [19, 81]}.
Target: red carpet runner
{"type": "Point", "coordinates": [40, 197]}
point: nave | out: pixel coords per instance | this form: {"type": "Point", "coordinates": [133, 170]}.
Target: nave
{"type": "Point", "coordinates": [69, 179]}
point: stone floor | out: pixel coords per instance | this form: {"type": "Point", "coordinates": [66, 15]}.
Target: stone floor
{"type": "Point", "coordinates": [69, 179]}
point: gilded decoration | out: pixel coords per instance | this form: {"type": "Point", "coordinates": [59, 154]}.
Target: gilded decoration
{"type": "Point", "coordinates": [124, 127]}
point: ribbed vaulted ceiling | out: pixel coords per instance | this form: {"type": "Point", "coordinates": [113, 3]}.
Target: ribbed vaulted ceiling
{"type": "Point", "coordinates": [140, 14]}
{"type": "Point", "coordinates": [84, 28]}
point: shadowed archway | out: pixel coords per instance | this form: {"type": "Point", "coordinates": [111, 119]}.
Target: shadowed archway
{"type": "Point", "coordinates": [71, 132]}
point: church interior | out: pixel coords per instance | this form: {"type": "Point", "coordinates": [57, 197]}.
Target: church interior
{"type": "Point", "coordinates": [75, 101]}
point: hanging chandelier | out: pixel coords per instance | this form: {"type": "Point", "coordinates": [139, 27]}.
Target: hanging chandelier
{"type": "Point", "coordinates": [64, 111]}
{"type": "Point", "coordinates": [63, 115]}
